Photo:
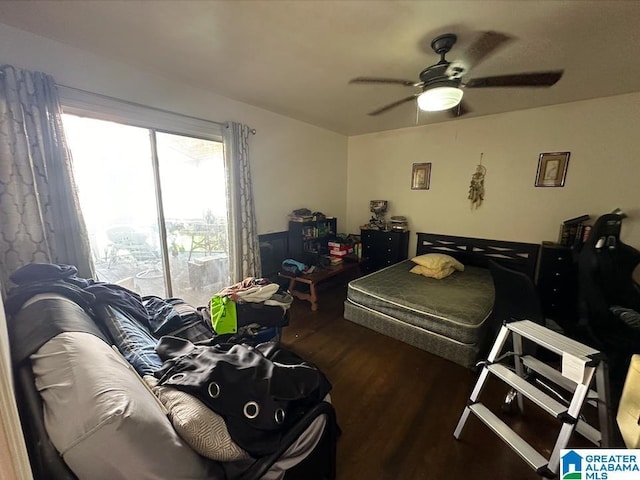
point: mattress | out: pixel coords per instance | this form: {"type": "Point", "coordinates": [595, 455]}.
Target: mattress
{"type": "Point", "coordinates": [455, 307]}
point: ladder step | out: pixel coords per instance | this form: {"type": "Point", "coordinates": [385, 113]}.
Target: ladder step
{"type": "Point", "coordinates": [515, 441]}
{"type": "Point", "coordinates": [589, 432]}
{"type": "Point", "coordinates": [583, 428]}
{"type": "Point", "coordinates": [551, 340]}
{"type": "Point", "coordinates": [538, 397]}
{"type": "Point", "coordinates": [555, 376]}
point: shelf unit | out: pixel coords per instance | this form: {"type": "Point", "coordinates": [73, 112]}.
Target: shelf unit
{"type": "Point", "coordinates": [309, 239]}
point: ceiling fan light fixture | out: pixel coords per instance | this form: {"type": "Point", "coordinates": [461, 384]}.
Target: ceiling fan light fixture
{"type": "Point", "coordinates": [439, 98]}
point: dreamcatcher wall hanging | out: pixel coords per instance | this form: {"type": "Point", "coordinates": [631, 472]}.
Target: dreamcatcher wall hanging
{"type": "Point", "coordinates": [476, 188]}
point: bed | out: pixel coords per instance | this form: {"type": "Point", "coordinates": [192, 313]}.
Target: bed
{"type": "Point", "coordinates": [446, 317]}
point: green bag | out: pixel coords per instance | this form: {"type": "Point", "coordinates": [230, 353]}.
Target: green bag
{"type": "Point", "coordinates": [223, 315]}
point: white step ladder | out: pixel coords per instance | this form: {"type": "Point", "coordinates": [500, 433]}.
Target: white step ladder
{"type": "Point", "coordinates": [582, 364]}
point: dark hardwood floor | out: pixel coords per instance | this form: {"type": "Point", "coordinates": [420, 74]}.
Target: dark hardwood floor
{"type": "Point", "coordinates": [398, 406]}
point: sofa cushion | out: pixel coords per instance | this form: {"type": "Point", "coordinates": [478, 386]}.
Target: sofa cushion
{"type": "Point", "coordinates": [104, 420]}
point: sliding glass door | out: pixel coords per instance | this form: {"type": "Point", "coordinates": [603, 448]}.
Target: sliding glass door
{"type": "Point", "coordinates": [192, 181]}
{"type": "Point", "coordinates": [155, 208]}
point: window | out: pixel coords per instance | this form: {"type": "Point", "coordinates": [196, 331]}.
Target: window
{"type": "Point", "coordinates": [155, 207]}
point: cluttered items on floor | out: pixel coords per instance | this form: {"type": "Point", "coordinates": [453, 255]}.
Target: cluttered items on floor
{"type": "Point", "coordinates": [253, 310]}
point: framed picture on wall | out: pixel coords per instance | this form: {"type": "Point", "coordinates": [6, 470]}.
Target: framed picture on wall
{"type": "Point", "coordinates": [552, 169]}
{"type": "Point", "coordinates": [420, 176]}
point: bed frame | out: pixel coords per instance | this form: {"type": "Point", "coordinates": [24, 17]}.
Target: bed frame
{"type": "Point", "coordinates": [522, 257]}
{"type": "Point", "coordinates": [518, 256]}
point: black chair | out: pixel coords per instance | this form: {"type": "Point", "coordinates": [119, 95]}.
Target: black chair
{"type": "Point", "coordinates": [605, 266]}
{"type": "Point", "coordinates": [516, 298]}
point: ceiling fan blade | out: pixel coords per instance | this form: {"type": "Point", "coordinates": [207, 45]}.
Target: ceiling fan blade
{"type": "Point", "coordinates": [396, 81]}
{"type": "Point", "coordinates": [393, 105]}
{"type": "Point", "coordinates": [537, 79]}
{"type": "Point", "coordinates": [461, 109]}
{"type": "Point", "coordinates": [483, 46]}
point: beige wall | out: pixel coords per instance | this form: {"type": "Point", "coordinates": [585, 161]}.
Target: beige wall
{"type": "Point", "coordinates": [294, 164]}
{"type": "Point", "coordinates": [604, 171]}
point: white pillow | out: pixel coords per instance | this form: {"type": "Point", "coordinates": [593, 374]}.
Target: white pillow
{"type": "Point", "coordinates": [104, 420]}
{"type": "Point", "coordinates": [438, 261]}
{"type": "Point", "coordinates": [438, 273]}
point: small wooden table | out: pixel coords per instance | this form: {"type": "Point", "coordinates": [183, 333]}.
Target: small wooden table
{"type": "Point", "coordinates": [313, 279]}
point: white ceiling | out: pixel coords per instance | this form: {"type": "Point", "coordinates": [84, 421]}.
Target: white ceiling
{"type": "Point", "coordinates": [296, 57]}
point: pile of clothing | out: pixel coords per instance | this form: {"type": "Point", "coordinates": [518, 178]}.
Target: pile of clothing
{"type": "Point", "coordinates": [251, 311]}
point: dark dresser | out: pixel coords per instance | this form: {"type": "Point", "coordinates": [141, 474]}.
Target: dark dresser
{"type": "Point", "coordinates": [557, 283]}
{"type": "Point", "coordinates": [381, 249]}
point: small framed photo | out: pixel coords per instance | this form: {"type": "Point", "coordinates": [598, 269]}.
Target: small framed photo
{"type": "Point", "coordinates": [420, 176]}
{"type": "Point", "coordinates": [552, 169]}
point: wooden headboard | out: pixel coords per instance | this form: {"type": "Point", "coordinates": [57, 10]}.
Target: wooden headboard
{"type": "Point", "coordinates": [522, 257]}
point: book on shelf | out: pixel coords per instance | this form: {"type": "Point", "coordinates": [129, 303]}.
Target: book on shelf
{"type": "Point", "coordinates": [574, 234]}
{"type": "Point", "coordinates": [568, 234]}
{"type": "Point", "coordinates": [572, 231]}
{"type": "Point", "coordinates": [576, 220]}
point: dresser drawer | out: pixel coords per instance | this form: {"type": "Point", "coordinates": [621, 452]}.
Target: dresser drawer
{"type": "Point", "coordinates": [556, 263]}
{"type": "Point", "coordinates": [366, 235]}
{"type": "Point", "coordinates": [556, 255]}
{"type": "Point", "coordinates": [555, 296]}
{"type": "Point", "coordinates": [556, 277]}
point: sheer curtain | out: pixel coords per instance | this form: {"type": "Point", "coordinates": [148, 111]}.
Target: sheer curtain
{"type": "Point", "coordinates": [243, 232]}
{"type": "Point", "coordinates": [39, 208]}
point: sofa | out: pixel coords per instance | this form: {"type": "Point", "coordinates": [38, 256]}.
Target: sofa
{"type": "Point", "coordinates": [87, 413]}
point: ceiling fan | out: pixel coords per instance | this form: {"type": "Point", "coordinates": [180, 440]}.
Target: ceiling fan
{"type": "Point", "coordinates": [442, 84]}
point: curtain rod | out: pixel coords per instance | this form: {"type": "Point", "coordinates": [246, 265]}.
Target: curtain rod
{"type": "Point", "coordinates": [135, 104]}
